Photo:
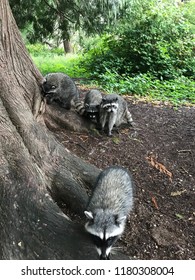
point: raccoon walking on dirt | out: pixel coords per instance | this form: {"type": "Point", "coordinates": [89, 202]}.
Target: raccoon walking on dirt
{"type": "Point", "coordinates": [108, 207]}
{"type": "Point", "coordinates": [90, 107]}
{"type": "Point", "coordinates": [60, 88]}
{"type": "Point", "coordinates": [114, 111]}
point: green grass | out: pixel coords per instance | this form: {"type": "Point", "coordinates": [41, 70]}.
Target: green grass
{"type": "Point", "coordinates": [68, 64]}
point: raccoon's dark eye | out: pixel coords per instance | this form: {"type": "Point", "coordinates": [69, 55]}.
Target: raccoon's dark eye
{"type": "Point", "coordinates": [111, 240]}
{"type": "Point", "coordinates": [97, 240]}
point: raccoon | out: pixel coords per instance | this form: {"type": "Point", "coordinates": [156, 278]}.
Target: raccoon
{"type": "Point", "coordinates": [108, 207]}
{"type": "Point", "coordinates": [114, 111]}
{"type": "Point", "coordinates": [60, 88]}
{"type": "Point", "coordinates": [90, 107]}
{"type": "Point", "coordinates": [92, 103]}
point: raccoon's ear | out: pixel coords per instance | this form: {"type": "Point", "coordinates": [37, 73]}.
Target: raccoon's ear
{"type": "Point", "coordinates": [103, 98]}
{"type": "Point", "coordinates": [119, 220]}
{"type": "Point", "coordinates": [87, 105]}
{"type": "Point", "coordinates": [89, 215]}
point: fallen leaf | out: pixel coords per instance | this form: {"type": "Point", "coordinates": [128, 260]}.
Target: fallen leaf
{"type": "Point", "coordinates": [154, 201]}
{"type": "Point", "coordinates": [177, 193]}
{"type": "Point", "coordinates": [115, 140]}
{"type": "Point", "coordinates": [159, 166]}
{"type": "Point", "coordinates": [125, 131]}
{"type": "Point", "coordinates": [179, 216]}
{"type": "Point", "coordinates": [83, 137]}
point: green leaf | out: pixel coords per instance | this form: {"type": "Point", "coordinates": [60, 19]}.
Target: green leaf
{"type": "Point", "coordinates": [179, 216]}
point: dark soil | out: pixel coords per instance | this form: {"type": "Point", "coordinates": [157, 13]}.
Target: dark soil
{"type": "Point", "coordinates": [161, 159]}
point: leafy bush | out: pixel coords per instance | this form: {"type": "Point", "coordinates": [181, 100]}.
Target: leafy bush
{"type": "Point", "coordinates": [177, 91]}
{"type": "Point", "coordinates": [154, 37]}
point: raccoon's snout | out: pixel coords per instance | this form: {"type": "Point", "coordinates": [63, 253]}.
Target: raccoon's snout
{"type": "Point", "coordinates": [104, 253]}
{"type": "Point", "coordinates": [104, 257]}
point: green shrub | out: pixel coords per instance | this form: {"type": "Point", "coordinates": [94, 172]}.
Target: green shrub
{"type": "Point", "coordinates": [177, 91]}
{"type": "Point", "coordinates": [154, 37]}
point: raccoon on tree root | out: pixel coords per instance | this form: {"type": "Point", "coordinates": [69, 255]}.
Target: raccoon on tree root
{"type": "Point", "coordinates": [108, 110]}
{"type": "Point", "coordinates": [90, 107]}
{"type": "Point", "coordinates": [60, 88]}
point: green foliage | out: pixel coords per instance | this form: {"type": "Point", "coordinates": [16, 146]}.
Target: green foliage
{"type": "Point", "coordinates": [51, 19]}
{"type": "Point", "coordinates": [43, 50]}
{"type": "Point", "coordinates": [178, 91]}
{"type": "Point", "coordinates": [189, 12]}
{"type": "Point", "coordinates": [69, 64]}
{"type": "Point", "coordinates": [154, 37]}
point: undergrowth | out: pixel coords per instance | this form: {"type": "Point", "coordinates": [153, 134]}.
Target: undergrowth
{"type": "Point", "coordinates": [179, 91]}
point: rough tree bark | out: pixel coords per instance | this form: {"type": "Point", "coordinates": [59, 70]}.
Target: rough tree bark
{"type": "Point", "coordinates": [34, 168]}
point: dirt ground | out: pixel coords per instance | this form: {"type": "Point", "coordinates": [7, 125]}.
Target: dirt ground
{"type": "Point", "coordinates": [161, 159]}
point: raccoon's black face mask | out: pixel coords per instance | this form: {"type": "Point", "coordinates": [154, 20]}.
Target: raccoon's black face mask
{"type": "Point", "coordinates": [48, 88]}
{"type": "Point", "coordinates": [104, 246]}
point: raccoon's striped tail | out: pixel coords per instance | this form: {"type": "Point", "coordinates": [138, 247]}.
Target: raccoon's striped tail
{"type": "Point", "coordinates": [79, 107]}
{"type": "Point", "coordinates": [129, 117]}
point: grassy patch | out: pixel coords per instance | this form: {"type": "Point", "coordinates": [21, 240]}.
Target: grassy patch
{"type": "Point", "coordinates": [68, 64]}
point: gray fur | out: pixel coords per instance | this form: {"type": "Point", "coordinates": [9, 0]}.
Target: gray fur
{"type": "Point", "coordinates": [92, 102]}
{"type": "Point", "coordinates": [60, 88]}
{"type": "Point", "coordinates": [113, 112]}
{"type": "Point", "coordinates": [108, 207]}
{"type": "Point", "coordinates": [93, 98]}
{"type": "Point", "coordinates": [90, 107]}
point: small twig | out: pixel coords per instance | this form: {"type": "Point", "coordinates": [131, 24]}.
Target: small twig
{"type": "Point", "coordinates": [184, 170]}
{"type": "Point", "coordinates": [81, 146]}
{"type": "Point", "coordinates": [184, 151]}
{"type": "Point", "coordinates": [154, 202]}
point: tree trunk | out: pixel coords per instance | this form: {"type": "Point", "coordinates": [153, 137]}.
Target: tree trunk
{"type": "Point", "coordinates": [35, 169]}
{"type": "Point", "coordinates": [67, 46]}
